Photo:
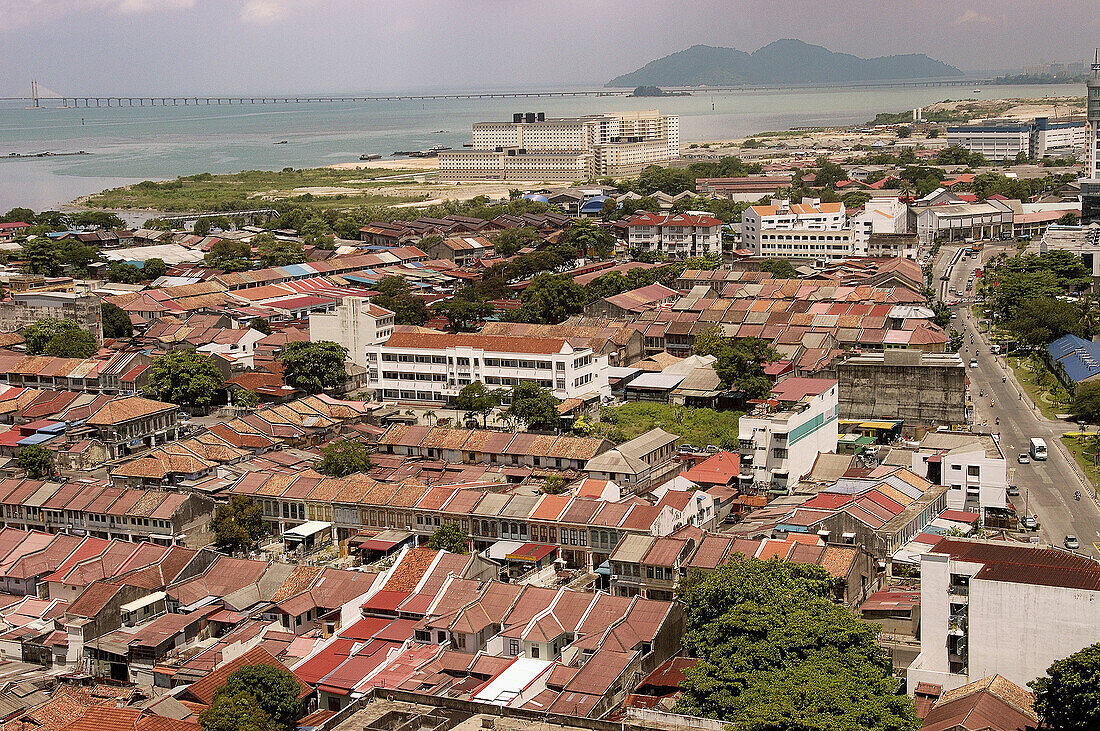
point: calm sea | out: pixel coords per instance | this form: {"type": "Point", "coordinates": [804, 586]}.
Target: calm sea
{"type": "Point", "coordinates": [141, 143]}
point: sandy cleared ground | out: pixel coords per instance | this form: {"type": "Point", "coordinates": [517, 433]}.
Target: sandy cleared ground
{"type": "Point", "coordinates": [428, 164]}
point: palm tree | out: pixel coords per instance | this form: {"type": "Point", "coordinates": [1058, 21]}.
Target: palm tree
{"type": "Point", "coordinates": [429, 415]}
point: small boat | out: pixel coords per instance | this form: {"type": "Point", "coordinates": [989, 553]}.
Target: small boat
{"type": "Point", "coordinates": [437, 148]}
{"type": "Point", "coordinates": [281, 142]}
{"type": "Point", "coordinates": [440, 132]}
{"type": "Point", "coordinates": [370, 156]}
{"type": "Point", "coordinates": [976, 91]}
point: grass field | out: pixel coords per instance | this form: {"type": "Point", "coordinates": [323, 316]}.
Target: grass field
{"type": "Point", "coordinates": [1076, 446]}
{"type": "Point", "coordinates": [321, 187]}
{"type": "Point", "coordinates": [1051, 403]}
{"type": "Point", "coordinates": [698, 427]}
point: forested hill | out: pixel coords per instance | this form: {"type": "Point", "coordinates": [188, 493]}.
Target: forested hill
{"type": "Point", "coordinates": [782, 62]}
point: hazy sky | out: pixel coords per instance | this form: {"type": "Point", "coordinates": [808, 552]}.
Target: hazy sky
{"type": "Point", "coordinates": [270, 46]}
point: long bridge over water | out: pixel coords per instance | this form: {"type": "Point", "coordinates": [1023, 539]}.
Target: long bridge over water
{"type": "Point", "coordinates": [94, 100]}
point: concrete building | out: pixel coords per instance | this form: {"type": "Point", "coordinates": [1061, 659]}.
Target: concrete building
{"type": "Point", "coordinates": [434, 367]}
{"type": "Point", "coordinates": [875, 229]}
{"type": "Point", "coordinates": [533, 147]}
{"type": "Point", "coordinates": [25, 308]}
{"type": "Point", "coordinates": [1090, 184]}
{"type": "Point", "coordinates": [971, 465]}
{"type": "Point", "coordinates": [780, 440]}
{"type": "Point", "coordinates": [923, 389]}
{"type": "Point", "coordinates": [1004, 139]}
{"type": "Point", "coordinates": [959, 221]}
{"type": "Point", "coordinates": [356, 324]}
{"type": "Point", "coordinates": [806, 230]}
{"type": "Point", "coordinates": [679, 235]}
{"type": "Point", "coordinates": [997, 607]}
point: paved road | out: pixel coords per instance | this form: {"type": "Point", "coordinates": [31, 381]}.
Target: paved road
{"type": "Point", "coordinates": [1046, 488]}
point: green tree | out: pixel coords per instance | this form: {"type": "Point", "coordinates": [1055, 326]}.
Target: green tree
{"type": "Point", "coordinates": [238, 712]}
{"type": "Point", "coordinates": [35, 460]}
{"type": "Point", "coordinates": [343, 457]}
{"type": "Point", "coordinates": [904, 132]}
{"type": "Point", "coordinates": [1039, 321]}
{"type": "Point", "coordinates": [587, 237]}
{"type": "Point", "coordinates": [185, 378]}
{"type": "Point", "coordinates": [202, 226]}
{"type": "Point", "coordinates": [534, 406]}
{"type": "Point", "coordinates": [246, 398]}
{"type": "Point", "coordinates": [275, 252]}
{"type": "Point", "coordinates": [1086, 401]}
{"type": "Point", "coordinates": [776, 653]}
{"type": "Point", "coordinates": [463, 315]}
{"type": "Point", "coordinates": [261, 325]}
{"type": "Point", "coordinates": [314, 367]}
{"type": "Point", "coordinates": [96, 219]}
{"type": "Point", "coordinates": [72, 344]}
{"type": "Point", "coordinates": [554, 485]}
{"type": "Point", "coordinates": [39, 256]}
{"type": "Point", "coordinates": [511, 240]}
{"type": "Point", "coordinates": [779, 268]}
{"type": "Point", "coordinates": [450, 537]}
{"type": "Point", "coordinates": [275, 689]}
{"type": "Point", "coordinates": [550, 299]}
{"type": "Point", "coordinates": [228, 255]}
{"type": "Point", "coordinates": [739, 363]}
{"type": "Point", "coordinates": [154, 268]}
{"type": "Point", "coordinates": [1069, 219]}
{"type": "Point", "coordinates": [395, 295]}
{"type": "Point", "coordinates": [116, 323]}
{"type": "Point", "coordinates": [238, 524]}
{"type": "Point", "coordinates": [124, 273]}
{"type": "Point", "coordinates": [475, 398]}
{"type": "Point", "coordinates": [50, 337]}
{"type": "Point", "coordinates": [1065, 698]}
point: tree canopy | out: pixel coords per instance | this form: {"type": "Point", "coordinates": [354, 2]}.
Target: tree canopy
{"type": "Point", "coordinates": [185, 378]}
{"type": "Point", "coordinates": [550, 299]}
{"type": "Point", "coordinates": [1086, 401]}
{"type": "Point", "coordinates": [740, 362]}
{"type": "Point", "coordinates": [1066, 698]}
{"type": "Point", "coordinates": [238, 712]}
{"type": "Point", "coordinates": [275, 252]}
{"type": "Point", "coordinates": [343, 457]}
{"type": "Point", "coordinates": [464, 315]}
{"type": "Point", "coordinates": [776, 653]}
{"type": "Point", "coordinates": [534, 406]}
{"type": "Point", "coordinates": [476, 398]}
{"type": "Point", "coordinates": [274, 688]}
{"type": "Point", "coordinates": [314, 367]}
{"type": "Point", "coordinates": [238, 524]}
{"type": "Point", "coordinates": [116, 323]}
{"type": "Point", "coordinates": [587, 237]}
{"type": "Point", "coordinates": [395, 295]}
{"type": "Point", "coordinates": [35, 460]}
{"type": "Point", "coordinates": [59, 338]}
{"type": "Point", "coordinates": [779, 268]}
{"type": "Point", "coordinates": [450, 537]}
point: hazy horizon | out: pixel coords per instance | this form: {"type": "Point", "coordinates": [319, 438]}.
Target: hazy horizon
{"type": "Point", "coordinates": [185, 47]}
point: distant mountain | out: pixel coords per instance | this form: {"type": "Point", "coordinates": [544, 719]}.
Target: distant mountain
{"type": "Point", "coordinates": [782, 62]}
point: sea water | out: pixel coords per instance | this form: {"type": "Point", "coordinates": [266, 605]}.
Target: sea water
{"type": "Point", "coordinates": [130, 144]}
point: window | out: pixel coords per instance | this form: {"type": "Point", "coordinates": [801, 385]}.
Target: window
{"type": "Point", "coordinates": [973, 470]}
{"type": "Point", "coordinates": [513, 647]}
{"type": "Point", "coordinates": [535, 651]}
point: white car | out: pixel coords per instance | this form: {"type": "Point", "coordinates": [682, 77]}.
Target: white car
{"type": "Point", "coordinates": [1022, 458]}
{"type": "Point", "coordinates": [973, 363]}
{"type": "Point", "coordinates": [1071, 543]}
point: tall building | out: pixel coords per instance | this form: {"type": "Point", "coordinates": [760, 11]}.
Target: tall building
{"type": "Point", "coordinates": [1090, 185]}
{"type": "Point", "coordinates": [533, 147]}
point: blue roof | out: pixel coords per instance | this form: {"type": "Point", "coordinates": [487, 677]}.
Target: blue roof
{"type": "Point", "coordinates": [36, 438]}
{"type": "Point", "coordinates": [594, 205]}
{"type": "Point", "coordinates": [536, 197]}
{"type": "Point", "coordinates": [302, 270]}
{"type": "Point", "coordinates": [1078, 358]}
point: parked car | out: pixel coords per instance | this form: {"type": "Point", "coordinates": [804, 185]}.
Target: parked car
{"type": "Point", "coordinates": [1071, 543]}
{"type": "Point", "coordinates": [1030, 522]}
{"type": "Point", "coordinates": [1013, 491]}
{"type": "Point", "coordinates": [1022, 458]}
{"type": "Point", "coordinates": [686, 449]}
{"type": "Point", "coordinates": [973, 362]}
{"type": "Point", "coordinates": [712, 449]}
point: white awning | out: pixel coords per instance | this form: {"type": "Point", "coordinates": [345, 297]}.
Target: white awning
{"type": "Point", "coordinates": [145, 601]}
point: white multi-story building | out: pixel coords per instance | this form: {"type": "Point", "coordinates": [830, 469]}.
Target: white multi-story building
{"type": "Point", "coordinates": [532, 147]}
{"type": "Point", "coordinates": [806, 230]}
{"type": "Point", "coordinates": [356, 323]}
{"type": "Point", "coordinates": [883, 215]}
{"type": "Point", "coordinates": [680, 235]}
{"type": "Point", "coordinates": [780, 440]}
{"type": "Point", "coordinates": [1001, 607]}
{"type": "Point", "coordinates": [433, 367]}
{"type": "Point", "coordinates": [971, 464]}
{"type": "Point", "coordinates": [1004, 139]}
